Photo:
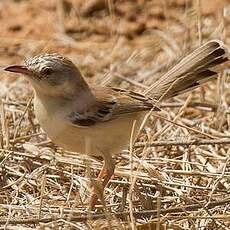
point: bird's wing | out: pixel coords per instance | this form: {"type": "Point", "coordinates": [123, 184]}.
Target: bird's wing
{"type": "Point", "coordinates": [110, 103]}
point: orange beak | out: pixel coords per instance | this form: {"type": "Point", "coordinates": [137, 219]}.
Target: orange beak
{"type": "Point", "coordinates": [18, 69]}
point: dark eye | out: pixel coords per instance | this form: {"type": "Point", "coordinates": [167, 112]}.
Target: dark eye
{"type": "Point", "coordinates": [47, 71]}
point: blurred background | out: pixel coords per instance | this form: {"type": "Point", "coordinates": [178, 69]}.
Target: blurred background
{"type": "Point", "coordinates": [125, 43]}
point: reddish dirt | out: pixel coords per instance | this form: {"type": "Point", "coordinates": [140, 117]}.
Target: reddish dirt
{"type": "Point", "coordinates": [86, 21]}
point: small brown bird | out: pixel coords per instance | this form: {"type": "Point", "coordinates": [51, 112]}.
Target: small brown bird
{"type": "Point", "coordinates": [98, 120]}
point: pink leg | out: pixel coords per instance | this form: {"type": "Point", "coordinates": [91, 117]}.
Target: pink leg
{"type": "Point", "coordinates": [105, 175]}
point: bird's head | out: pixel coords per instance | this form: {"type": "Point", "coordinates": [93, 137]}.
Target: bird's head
{"type": "Point", "coordinates": [51, 74]}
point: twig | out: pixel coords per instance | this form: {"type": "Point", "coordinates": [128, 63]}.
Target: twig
{"type": "Point", "coordinates": [184, 143]}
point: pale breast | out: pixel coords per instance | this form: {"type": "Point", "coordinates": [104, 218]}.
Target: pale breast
{"type": "Point", "coordinates": [103, 138]}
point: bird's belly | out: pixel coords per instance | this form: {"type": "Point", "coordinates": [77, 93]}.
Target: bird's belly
{"type": "Point", "coordinates": [109, 137]}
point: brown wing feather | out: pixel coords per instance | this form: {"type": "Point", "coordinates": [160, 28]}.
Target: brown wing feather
{"type": "Point", "coordinates": [109, 104]}
{"type": "Point", "coordinates": [126, 101]}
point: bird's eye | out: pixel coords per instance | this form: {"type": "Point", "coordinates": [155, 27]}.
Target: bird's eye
{"type": "Point", "coordinates": [47, 71]}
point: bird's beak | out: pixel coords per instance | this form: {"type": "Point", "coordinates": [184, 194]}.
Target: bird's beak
{"type": "Point", "coordinates": [18, 69]}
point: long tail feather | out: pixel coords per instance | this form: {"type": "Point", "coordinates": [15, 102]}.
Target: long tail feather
{"type": "Point", "coordinates": [195, 69]}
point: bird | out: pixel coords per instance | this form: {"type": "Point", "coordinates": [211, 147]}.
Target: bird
{"type": "Point", "coordinates": [97, 120]}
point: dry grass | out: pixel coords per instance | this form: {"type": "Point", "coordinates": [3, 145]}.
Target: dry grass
{"type": "Point", "coordinates": [177, 174]}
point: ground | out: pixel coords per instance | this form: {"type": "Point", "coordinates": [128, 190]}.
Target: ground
{"type": "Point", "coordinates": [181, 181]}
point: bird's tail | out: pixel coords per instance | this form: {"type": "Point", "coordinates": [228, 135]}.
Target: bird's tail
{"type": "Point", "coordinates": [195, 69]}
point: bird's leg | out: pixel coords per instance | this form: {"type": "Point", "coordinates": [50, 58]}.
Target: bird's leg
{"type": "Point", "coordinates": [98, 188]}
